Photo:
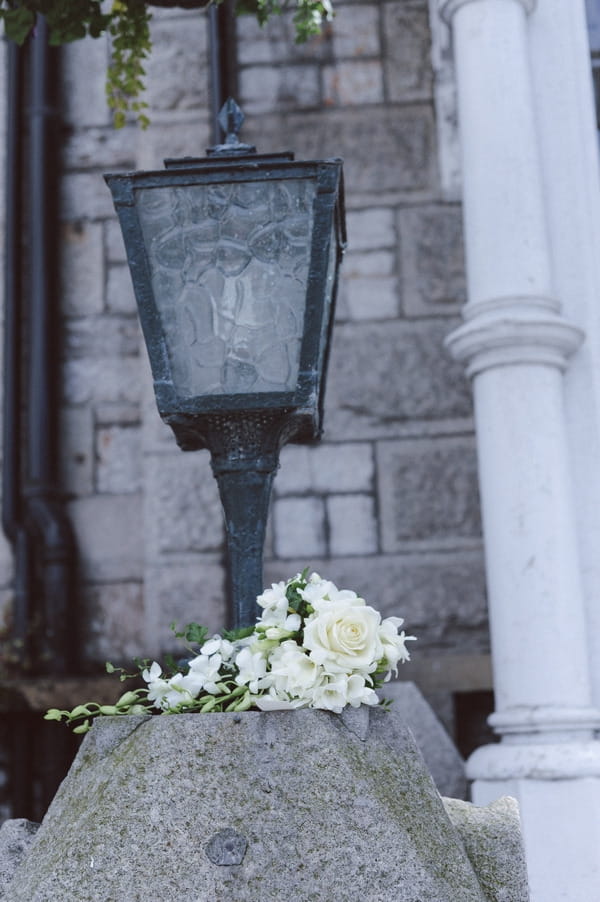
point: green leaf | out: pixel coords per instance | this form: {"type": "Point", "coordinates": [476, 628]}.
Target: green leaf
{"type": "Point", "coordinates": [18, 23]}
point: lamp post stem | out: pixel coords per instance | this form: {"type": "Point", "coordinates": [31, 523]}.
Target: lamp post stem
{"type": "Point", "coordinates": [245, 490]}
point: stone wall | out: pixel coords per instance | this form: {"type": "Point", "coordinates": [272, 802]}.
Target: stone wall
{"type": "Point", "coordinates": [387, 503]}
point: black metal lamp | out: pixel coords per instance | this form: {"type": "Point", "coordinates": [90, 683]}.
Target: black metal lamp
{"type": "Point", "coordinates": [234, 261]}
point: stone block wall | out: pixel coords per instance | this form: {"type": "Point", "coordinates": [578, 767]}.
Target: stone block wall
{"type": "Point", "coordinates": [387, 503]}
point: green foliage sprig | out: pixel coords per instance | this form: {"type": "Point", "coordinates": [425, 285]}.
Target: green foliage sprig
{"type": "Point", "coordinates": [128, 24]}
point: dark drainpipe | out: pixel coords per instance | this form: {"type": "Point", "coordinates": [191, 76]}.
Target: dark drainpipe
{"type": "Point", "coordinates": [12, 500]}
{"type": "Point", "coordinates": [33, 517]}
{"type": "Point", "coordinates": [45, 515]}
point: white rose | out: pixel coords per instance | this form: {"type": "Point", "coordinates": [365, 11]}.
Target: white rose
{"type": "Point", "coordinates": [344, 637]}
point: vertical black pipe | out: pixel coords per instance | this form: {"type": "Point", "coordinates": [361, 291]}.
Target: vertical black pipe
{"type": "Point", "coordinates": [12, 501]}
{"type": "Point", "coordinates": [45, 515]}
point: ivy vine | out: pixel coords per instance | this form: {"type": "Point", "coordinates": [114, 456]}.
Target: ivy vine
{"type": "Point", "coordinates": [128, 24]}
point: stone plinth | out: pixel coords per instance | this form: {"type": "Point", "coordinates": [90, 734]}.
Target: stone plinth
{"type": "Point", "coordinates": [278, 806]}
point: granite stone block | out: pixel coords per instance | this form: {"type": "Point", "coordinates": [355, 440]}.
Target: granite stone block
{"type": "Point", "coordinates": [384, 375]}
{"type": "Point", "coordinates": [299, 527]}
{"type": "Point", "coordinates": [178, 63]}
{"type": "Point", "coordinates": [428, 491]}
{"type": "Point", "coordinates": [494, 843]}
{"type": "Point", "coordinates": [118, 459]}
{"type": "Point", "coordinates": [407, 52]}
{"type": "Point", "coordinates": [352, 524]}
{"type": "Point", "coordinates": [352, 83]}
{"type": "Point", "coordinates": [112, 625]}
{"type": "Point", "coordinates": [371, 229]}
{"type": "Point", "coordinates": [265, 89]}
{"type": "Point", "coordinates": [326, 468]}
{"type": "Point", "coordinates": [432, 259]}
{"type": "Point", "coordinates": [356, 32]}
{"type": "Point", "coordinates": [109, 535]}
{"type": "Point", "coordinates": [82, 268]}
{"type": "Point", "coordinates": [16, 836]}
{"type": "Point", "coordinates": [439, 752]}
{"type": "Point", "coordinates": [384, 149]}
{"type": "Point", "coordinates": [182, 507]}
{"type": "Point", "coordinates": [258, 806]}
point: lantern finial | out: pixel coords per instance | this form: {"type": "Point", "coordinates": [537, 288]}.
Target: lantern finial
{"type": "Point", "coordinates": [231, 119]}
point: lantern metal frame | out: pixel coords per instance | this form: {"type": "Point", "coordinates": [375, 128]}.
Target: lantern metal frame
{"type": "Point", "coordinates": [244, 431]}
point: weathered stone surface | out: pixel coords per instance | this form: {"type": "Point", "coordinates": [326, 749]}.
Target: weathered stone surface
{"type": "Point", "coordinates": [16, 837]}
{"type": "Point", "coordinates": [370, 229]}
{"type": "Point", "coordinates": [82, 268]}
{"type": "Point", "coordinates": [77, 459]}
{"type": "Point", "coordinates": [352, 524]}
{"type": "Point", "coordinates": [382, 375]}
{"type": "Point", "coordinates": [109, 532]}
{"type": "Point", "coordinates": [432, 259]}
{"type": "Point", "coordinates": [104, 379]}
{"type": "Point", "coordinates": [102, 336]}
{"type": "Point", "coordinates": [384, 149]}
{"type": "Point", "coordinates": [183, 509]}
{"type": "Point", "coordinates": [106, 148]}
{"type": "Point", "coordinates": [299, 525]}
{"type": "Point", "coordinates": [264, 88]}
{"type": "Point", "coordinates": [351, 83]}
{"type": "Point", "coordinates": [428, 491]}
{"type": "Point", "coordinates": [83, 195]}
{"type": "Point", "coordinates": [356, 32]}
{"type": "Point", "coordinates": [441, 757]}
{"type": "Point", "coordinates": [119, 291]}
{"type": "Point", "coordinates": [275, 42]}
{"type": "Point", "coordinates": [493, 842]}
{"type": "Point", "coordinates": [112, 622]}
{"type": "Point", "coordinates": [84, 99]}
{"type": "Point", "coordinates": [374, 298]}
{"type": "Point", "coordinates": [118, 459]}
{"type": "Point", "coordinates": [406, 51]}
{"type": "Point", "coordinates": [165, 807]}
{"type": "Point", "coordinates": [178, 62]}
{"type": "Point", "coordinates": [345, 467]}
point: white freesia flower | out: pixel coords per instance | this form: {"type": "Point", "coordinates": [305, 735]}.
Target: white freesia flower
{"type": "Point", "coordinates": [204, 673]}
{"type": "Point", "coordinates": [275, 604]}
{"type": "Point", "coordinates": [320, 593]}
{"type": "Point", "coordinates": [171, 693]}
{"type": "Point", "coordinates": [273, 702]}
{"type": "Point", "coordinates": [217, 644]}
{"type": "Point", "coordinates": [332, 695]}
{"type": "Point", "coordinates": [393, 644]}
{"type": "Point", "coordinates": [153, 673]}
{"type": "Point", "coordinates": [358, 693]}
{"type": "Point", "coordinates": [252, 667]}
{"type": "Point", "coordinates": [344, 637]}
{"type": "Point", "coordinates": [293, 671]}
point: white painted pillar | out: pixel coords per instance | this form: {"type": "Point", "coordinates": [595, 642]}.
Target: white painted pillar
{"type": "Point", "coordinates": [564, 105]}
{"type": "Point", "coordinates": [516, 345]}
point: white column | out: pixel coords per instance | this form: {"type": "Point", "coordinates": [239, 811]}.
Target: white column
{"type": "Point", "coordinates": [516, 345]}
{"type": "Point", "coordinates": [564, 104]}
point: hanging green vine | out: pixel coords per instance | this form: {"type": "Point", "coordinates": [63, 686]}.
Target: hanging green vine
{"type": "Point", "coordinates": [128, 24]}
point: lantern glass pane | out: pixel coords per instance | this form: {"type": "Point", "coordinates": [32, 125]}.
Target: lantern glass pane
{"type": "Point", "coordinates": [229, 267]}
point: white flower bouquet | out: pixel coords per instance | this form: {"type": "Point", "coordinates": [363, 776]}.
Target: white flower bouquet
{"type": "Point", "coordinates": [313, 646]}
